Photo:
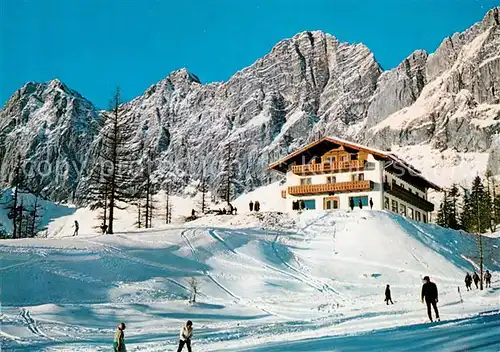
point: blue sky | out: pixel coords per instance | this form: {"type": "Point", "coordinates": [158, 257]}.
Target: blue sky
{"type": "Point", "coordinates": [95, 45]}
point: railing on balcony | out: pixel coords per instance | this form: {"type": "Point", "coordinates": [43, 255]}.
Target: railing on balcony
{"type": "Point", "coordinates": [351, 186]}
{"type": "Point", "coordinates": [338, 166]}
{"type": "Point", "coordinates": [407, 196]}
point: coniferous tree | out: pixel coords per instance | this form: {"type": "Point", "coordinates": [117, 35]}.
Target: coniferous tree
{"type": "Point", "coordinates": [443, 210]}
{"type": "Point", "coordinates": [111, 179]}
{"type": "Point", "coordinates": [203, 188]}
{"type": "Point", "coordinates": [227, 176]}
{"type": "Point", "coordinates": [168, 205]}
{"type": "Point", "coordinates": [15, 207]}
{"type": "Point", "coordinates": [453, 218]}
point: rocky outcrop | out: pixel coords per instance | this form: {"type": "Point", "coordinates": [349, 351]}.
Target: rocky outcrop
{"type": "Point", "coordinates": [307, 86]}
{"type": "Point", "coordinates": [50, 127]}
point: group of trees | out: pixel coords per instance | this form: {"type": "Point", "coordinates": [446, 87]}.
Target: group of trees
{"type": "Point", "coordinates": [23, 207]}
{"type": "Point", "coordinates": [476, 210]}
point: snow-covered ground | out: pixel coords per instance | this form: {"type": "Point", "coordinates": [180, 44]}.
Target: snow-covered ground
{"type": "Point", "coordinates": [268, 281]}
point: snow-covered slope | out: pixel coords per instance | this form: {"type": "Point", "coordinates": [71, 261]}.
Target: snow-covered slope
{"type": "Point", "coordinates": [280, 282]}
{"type": "Point", "coordinates": [445, 103]}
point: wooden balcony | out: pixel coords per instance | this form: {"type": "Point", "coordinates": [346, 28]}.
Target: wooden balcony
{"type": "Point", "coordinates": [339, 187]}
{"type": "Point", "coordinates": [408, 196]}
{"type": "Point", "coordinates": [339, 166]}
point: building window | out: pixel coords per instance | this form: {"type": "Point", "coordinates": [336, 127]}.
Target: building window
{"type": "Point", "coordinates": [331, 179]}
{"type": "Point", "coordinates": [343, 158]}
{"type": "Point", "coordinates": [309, 204]}
{"type": "Point", "coordinates": [305, 181]}
{"type": "Point", "coordinates": [330, 203]}
{"type": "Point", "coordinates": [417, 215]}
{"type": "Point", "coordinates": [328, 160]}
{"type": "Point", "coordinates": [357, 177]}
{"type": "Point", "coordinates": [402, 209]}
{"type": "Point", "coordinates": [386, 203]}
{"type": "Point", "coordinates": [356, 200]}
{"type": "Point", "coordinates": [394, 206]}
{"type": "Point", "coordinates": [354, 156]}
{"type": "Point", "coordinates": [410, 213]}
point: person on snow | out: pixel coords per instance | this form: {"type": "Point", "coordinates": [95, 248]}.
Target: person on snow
{"type": "Point", "coordinates": [360, 204]}
{"type": "Point", "coordinates": [388, 295]}
{"type": "Point", "coordinates": [104, 228]}
{"type": "Point", "coordinates": [257, 205]}
{"type": "Point", "coordinates": [76, 226]}
{"type": "Point", "coordinates": [371, 203]}
{"type": "Point", "coordinates": [468, 282]}
{"type": "Point", "coordinates": [476, 279]}
{"type": "Point", "coordinates": [193, 212]}
{"type": "Point", "coordinates": [351, 203]}
{"type": "Point", "coordinates": [119, 342]}
{"type": "Point", "coordinates": [185, 336]}
{"type": "Point", "coordinates": [250, 206]}
{"type": "Point", "coordinates": [430, 294]}
{"type": "Point", "coordinates": [487, 279]}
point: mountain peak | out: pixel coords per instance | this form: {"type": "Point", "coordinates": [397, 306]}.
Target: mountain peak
{"type": "Point", "coordinates": [492, 17]}
{"type": "Point", "coordinates": [183, 75]}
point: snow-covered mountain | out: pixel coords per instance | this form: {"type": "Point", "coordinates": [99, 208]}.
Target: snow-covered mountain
{"type": "Point", "coordinates": [440, 111]}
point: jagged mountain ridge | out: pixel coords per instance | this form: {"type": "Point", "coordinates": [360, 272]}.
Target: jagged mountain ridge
{"type": "Point", "coordinates": [307, 86]}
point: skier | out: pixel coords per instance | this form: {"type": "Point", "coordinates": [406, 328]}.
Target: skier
{"type": "Point", "coordinates": [119, 342]}
{"type": "Point", "coordinates": [360, 204]}
{"type": "Point", "coordinates": [468, 281]}
{"type": "Point", "coordinates": [185, 336]}
{"type": "Point", "coordinates": [487, 278]}
{"type": "Point", "coordinates": [371, 203]}
{"type": "Point", "coordinates": [250, 206]}
{"type": "Point", "coordinates": [104, 228]}
{"type": "Point", "coordinates": [257, 205]}
{"type": "Point", "coordinates": [430, 294]}
{"type": "Point", "coordinates": [76, 226]}
{"type": "Point", "coordinates": [193, 213]}
{"type": "Point", "coordinates": [476, 279]}
{"type": "Point", "coordinates": [351, 203]}
{"type": "Point", "coordinates": [388, 295]}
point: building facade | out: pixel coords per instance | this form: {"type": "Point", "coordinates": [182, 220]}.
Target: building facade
{"type": "Point", "coordinates": [332, 173]}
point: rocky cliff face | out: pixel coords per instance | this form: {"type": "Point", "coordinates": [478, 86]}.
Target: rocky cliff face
{"type": "Point", "coordinates": [307, 86]}
{"type": "Point", "coordinates": [50, 127]}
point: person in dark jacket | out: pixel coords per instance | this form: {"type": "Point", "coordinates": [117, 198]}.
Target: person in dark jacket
{"type": "Point", "coordinates": [257, 205]}
{"type": "Point", "coordinates": [371, 203]}
{"type": "Point", "coordinates": [468, 282]}
{"type": "Point", "coordinates": [76, 226]}
{"type": "Point", "coordinates": [487, 278]}
{"type": "Point", "coordinates": [388, 295]}
{"type": "Point", "coordinates": [360, 204]}
{"type": "Point", "coordinates": [476, 279]}
{"type": "Point", "coordinates": [430, 294]}
{"type": "Point", "coordinates": [351, 203]}
{"type": "Point", "coordinates": [250, 206]}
